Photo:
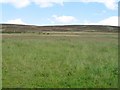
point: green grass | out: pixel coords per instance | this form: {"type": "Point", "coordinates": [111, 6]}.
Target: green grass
{"type": "Point", "coordinates": [60, 61]}
{"type": "Point", "coordinates": [0, 61]}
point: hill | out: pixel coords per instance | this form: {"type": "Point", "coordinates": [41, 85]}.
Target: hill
{"type": "Point", "coordinates": [9, 28]}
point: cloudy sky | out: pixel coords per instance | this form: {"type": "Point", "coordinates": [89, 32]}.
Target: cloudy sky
{"type": "Point", "coordinates": [60, 12]}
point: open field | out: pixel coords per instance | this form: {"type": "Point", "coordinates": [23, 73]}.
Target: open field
{"type": "Point", "coordinates": [82, 60]}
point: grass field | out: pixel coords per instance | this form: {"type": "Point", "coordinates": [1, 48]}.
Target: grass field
{"type": "Point", "coordinates": [88, 60]}
{"type": "Point", "coordinates": [0, 61]}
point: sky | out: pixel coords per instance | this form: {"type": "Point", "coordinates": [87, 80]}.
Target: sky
{"type": "Point", "coordinates": [59, 12]}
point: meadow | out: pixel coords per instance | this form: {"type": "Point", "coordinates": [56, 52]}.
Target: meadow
{"type": "Point", "coordinates": [86, 60]}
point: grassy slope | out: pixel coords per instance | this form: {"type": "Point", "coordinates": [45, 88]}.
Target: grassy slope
{"type": "Point", "coordinates": [60, 61]}
{"type": "Point", "coordinates": [0, 61]}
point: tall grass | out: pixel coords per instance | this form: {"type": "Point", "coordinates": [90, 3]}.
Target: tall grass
{"type": "Point", "coordinates": [0, 61]}
{"type": "Point", "coordinates": [69, 62]}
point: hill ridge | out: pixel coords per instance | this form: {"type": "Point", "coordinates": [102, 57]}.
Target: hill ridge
{"type": "Point", "coordinates": [58, 28]}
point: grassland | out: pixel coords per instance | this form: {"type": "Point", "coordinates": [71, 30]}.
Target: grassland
{"type": "Point", "coordinates": [87, 60]}
{"type": "Point", "coordinates": [0, 61]}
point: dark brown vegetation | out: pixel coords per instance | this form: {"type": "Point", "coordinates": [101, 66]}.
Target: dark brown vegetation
{"type": "Point", "coordinates": [13, 28]}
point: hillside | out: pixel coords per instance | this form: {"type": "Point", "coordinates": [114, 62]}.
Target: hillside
{"type": "Point", "coordinates": [31, 28]}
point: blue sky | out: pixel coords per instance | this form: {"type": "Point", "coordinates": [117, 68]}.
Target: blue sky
{"type": "Point", "coordinates": [58, 12]}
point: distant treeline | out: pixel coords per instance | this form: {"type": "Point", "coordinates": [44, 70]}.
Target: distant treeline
{"type": "Point", "coordinates": [13, 28]}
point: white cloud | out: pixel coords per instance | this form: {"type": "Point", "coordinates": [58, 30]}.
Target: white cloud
{"type": "Point", "coordinates": [63, 19]}
{"type": "Point", "coordinates": [24, 3]}
{"type": "Point", "coordinates": [113, 21]}
{"type": "Point", "coordinates": [47, 3]}
{"type": "Point", "coordinates": [15, 21]}
{"type": "Point", "coordinates": [17, 3]}
{"type": "Point", "coordinates": [110, 21]}
{"type": "Point", "coordinates": [111, 4]}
